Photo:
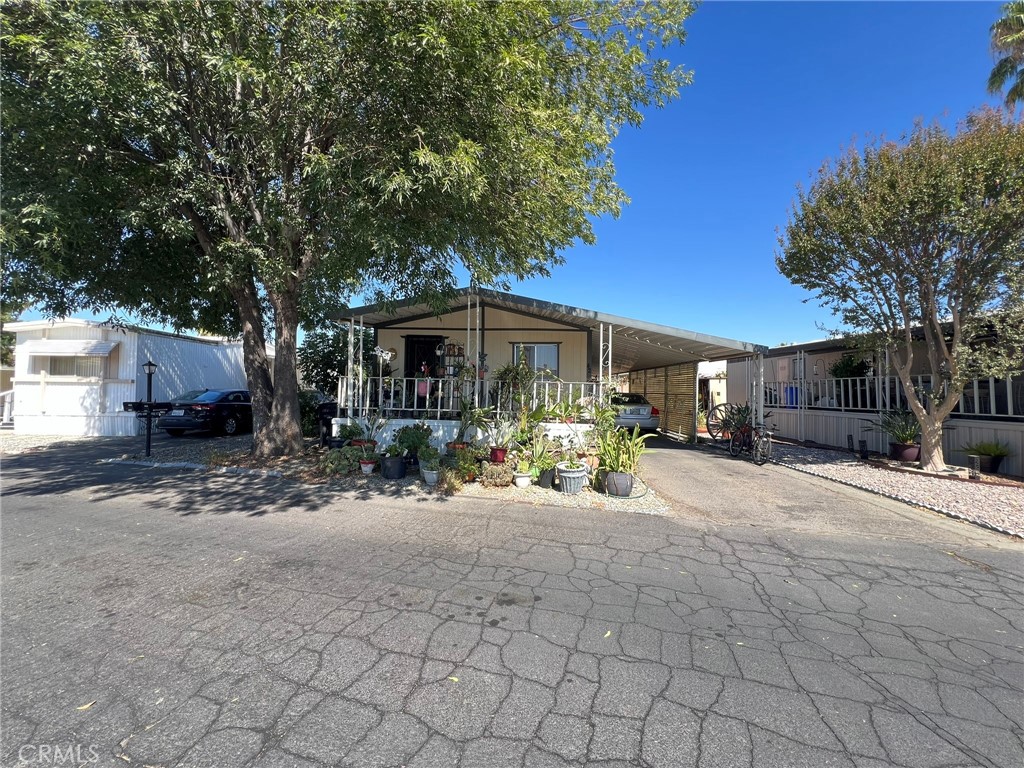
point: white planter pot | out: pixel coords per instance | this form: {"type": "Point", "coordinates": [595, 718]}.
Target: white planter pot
{"type": "Point", "coordinates": [522, 481]}
{"type": "Point", "coordinates": [430, 476]}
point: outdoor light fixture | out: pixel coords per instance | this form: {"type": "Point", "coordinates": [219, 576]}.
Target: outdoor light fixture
{"type": "Point", "coordinates": [150, 368]}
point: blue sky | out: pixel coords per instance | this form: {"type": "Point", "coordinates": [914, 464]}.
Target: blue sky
{"type": "Point", "coordinates": [777, 89]}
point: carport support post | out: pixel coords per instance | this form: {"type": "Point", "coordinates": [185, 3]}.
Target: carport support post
{"type": "Point", "coordinates": [759, 399]}
{"type": "Point", "coordinates": [350, 369]}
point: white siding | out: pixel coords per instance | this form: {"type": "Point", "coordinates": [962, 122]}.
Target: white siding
{"type": "Point", "coordinates": [68, 405]}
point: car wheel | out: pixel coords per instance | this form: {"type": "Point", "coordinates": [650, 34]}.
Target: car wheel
{"type": "Point", "coordinates": [230, 426]}
{"type": "Point", "coordinates": [175, 432]}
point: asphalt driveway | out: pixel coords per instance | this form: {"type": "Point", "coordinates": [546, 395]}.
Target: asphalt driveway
{"type": "Point", "coordinates": [171, 618]}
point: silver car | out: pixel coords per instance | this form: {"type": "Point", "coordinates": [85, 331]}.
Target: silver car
{"type": "Point", "coordinates": [635, 410]}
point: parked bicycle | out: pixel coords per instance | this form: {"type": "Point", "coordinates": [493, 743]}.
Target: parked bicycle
{"type": "Point", "coordinates": [754, 439]}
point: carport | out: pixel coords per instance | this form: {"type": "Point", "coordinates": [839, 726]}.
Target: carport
{"type": "Point", "coordinates": [660, 361]}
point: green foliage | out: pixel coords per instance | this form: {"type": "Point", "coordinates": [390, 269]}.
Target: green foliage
{"type": "Point", "coordinates": [496, 475]}
{"type": "Point", "coordinates": [372, 425]}
{"type": "Point", "coordinates": [413, 437]}
{"type": "Point", "coordinates": [341, 461]}
{"type": "Point", "coordinates": [902, 426]}
{"type": "Point", "coordinates": [466, 463]}
{"type": "Point", "coordinates": [921, 240]}
{"type": "Point", "coordinates": [988, 448]}
{"type": "Point", "coordinates": [241, 166]}
{"type": "Point", "coordinates": [308, 402]}
{"type": "Point", "coordinates": [848, 367]}
{"type": "Point", "coordinates": [736, 416]}
{"type": "Point", "coordinates": [542, 451]}
{"type": "Point", "coordinates": [323, 356]}
{"type": "Point", "coordinates": [620, 450]}
{"type": "Point", "coordinates": [502, 433]}
{"type": "Point", "coordinates": [429, 457]}
{"type": "Point", "coordinates": [350, 431]}
{"type": "Point", "coordinates": [470, 417]}
{"type": "Point", "coordinates": [1008, 44]}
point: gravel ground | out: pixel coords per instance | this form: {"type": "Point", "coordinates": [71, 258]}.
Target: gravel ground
{"type": "Point", "coordinates": [993, 506]}
{"type": "Point", "coordinates": [986, 504]}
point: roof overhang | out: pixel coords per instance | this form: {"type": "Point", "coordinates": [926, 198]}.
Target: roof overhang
{"type": "Point", "coordinates": [66, 347]}
{"type": "Point", "coordinates": [636, 344]}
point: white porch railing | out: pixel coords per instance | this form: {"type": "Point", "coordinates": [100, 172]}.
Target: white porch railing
{"type": "Point", "coordinates": [7, 406]}
{"type": "Point", "coordinates": [443, 398]}
{"type": "Point", "coordinates": [987, 398]}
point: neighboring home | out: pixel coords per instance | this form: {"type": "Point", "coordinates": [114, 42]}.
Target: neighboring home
{"type": "Point", "coordinates": [72, 376]}
{"type": "Point", "coordinates": [826, 392]}
{"type": "Point", "coordinates": [430, 364]}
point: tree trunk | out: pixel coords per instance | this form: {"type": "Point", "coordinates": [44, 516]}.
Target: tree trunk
{"type": "Point", "coordinates": [932, 458]}
{"type": "Point", "coordinates": [283, 433]}
{"type": "Point", "coordinates": [254, 351]}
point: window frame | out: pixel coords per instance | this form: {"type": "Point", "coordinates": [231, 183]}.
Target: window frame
{"type": "Point", "coordinates": [554, 371]}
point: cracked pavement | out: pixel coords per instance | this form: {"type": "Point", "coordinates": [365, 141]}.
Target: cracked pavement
{"type": "Point", "coordinates": [221, 621]}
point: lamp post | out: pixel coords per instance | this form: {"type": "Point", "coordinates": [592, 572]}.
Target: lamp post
{"type": "Point", "coordinates": [150, 368]}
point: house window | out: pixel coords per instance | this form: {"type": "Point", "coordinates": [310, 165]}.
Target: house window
{"type": "Point", "coordinates": [542, 358]}
{"type": "Point", "coordinates": [83, 366]}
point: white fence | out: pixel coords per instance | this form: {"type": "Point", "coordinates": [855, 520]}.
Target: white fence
{"type": "Point", "coordinates": [443, 399]}
{"type": "Point", "coordinates": [834, 411]}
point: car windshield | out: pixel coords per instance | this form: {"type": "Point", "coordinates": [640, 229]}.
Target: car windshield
{"type": "Point", "coordinates": [200, 396]}
{"type": "Point", "coordinates": [627, 399]}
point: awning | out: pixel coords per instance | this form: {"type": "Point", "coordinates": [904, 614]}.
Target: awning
{"type": "Point", "coordinates": [67, 347]}
{"type": "Point", "coordinates": [636, 345]}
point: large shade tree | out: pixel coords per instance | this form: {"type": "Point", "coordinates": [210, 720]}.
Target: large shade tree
{"type": "Point", "coordinates": [244, 165]}
{"type": "Point", "coordinates": [918, 247]}
{"type": "Point", "coordinates": [1008, 47]}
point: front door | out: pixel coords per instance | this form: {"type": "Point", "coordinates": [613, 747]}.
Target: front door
{"type": "Point", "coordinates": [420, 350]}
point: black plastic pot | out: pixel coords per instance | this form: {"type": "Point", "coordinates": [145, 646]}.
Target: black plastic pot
{"type": "Point", "coordinates": [392, 467]}
{"type": "Point", "coordinates": [546, 478]}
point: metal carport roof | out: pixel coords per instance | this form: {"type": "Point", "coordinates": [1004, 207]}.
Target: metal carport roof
{"type": "Point", "coordinates": [636, 344]}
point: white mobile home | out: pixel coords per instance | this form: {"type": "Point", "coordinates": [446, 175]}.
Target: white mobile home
{"type": "Point", "coordinates": [72, 376]}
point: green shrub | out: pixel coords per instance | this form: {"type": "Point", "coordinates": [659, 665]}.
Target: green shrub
{"type": "Point", "coordinates": [988, 448]}
{"type": "Point", "coordinates": [308, 402]}
{"type": "Point", "coordinates": [413, 437]}
{"type": "Point", "coordinates": [341, 461]}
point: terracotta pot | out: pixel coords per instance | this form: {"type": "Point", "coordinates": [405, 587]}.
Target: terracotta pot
{"type": "Point", "coordinates": [454, 445]}
{"type": "Point", "coordinates": [360, 443]}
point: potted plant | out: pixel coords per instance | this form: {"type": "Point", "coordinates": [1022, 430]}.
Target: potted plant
{"type": "Point", "coordinates": [413, 438]}
{"type": "Point", "coordinates": [620, 453]}
{"type": "Point", "coordinates": [372, 425]}
{"type": "Point", "coordinates": [392, 466]}
{"type": "Point", "coordinates": [903, 428]}
{"type": "Point", "coordinates": [503, 438]}
{"type": "Point", "coordinates": [368, 461]}
{"type": "Point", "coordinates": [542, 453]}
{"type": "Point", "coordinates": [990, 454]}
{"type": "Point", "coordinates": [522, 476]}
{"type": "Point", "coordinates": [469, 417]}
{"type": "Point", "coordinates": [466, 464]}
{"type": "Point", "coordinates": [572, 474]}
{"type": "Point", "coordinates": [430, 464]}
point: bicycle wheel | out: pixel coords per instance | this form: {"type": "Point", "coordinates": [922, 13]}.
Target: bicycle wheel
{"type": "Point", "coordinates": [714, 421]}
{"type": "Point", "coordinates": [762, 449]}
{"type": "Point", "coordinates": [735, 443]}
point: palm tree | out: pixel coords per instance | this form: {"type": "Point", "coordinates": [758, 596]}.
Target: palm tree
{"type": "Point", "coordinates": [1008, 43]}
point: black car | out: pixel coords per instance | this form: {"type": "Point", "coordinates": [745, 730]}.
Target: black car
{"type": "Point", "coordinates": [222, 411]}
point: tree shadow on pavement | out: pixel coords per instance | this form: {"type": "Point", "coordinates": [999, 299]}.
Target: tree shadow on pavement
{"type": "Point", "coordinates": [79, 466]}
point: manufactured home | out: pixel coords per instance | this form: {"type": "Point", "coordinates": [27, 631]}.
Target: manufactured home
{"type": "Point", "coordinates": [71, 377]}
